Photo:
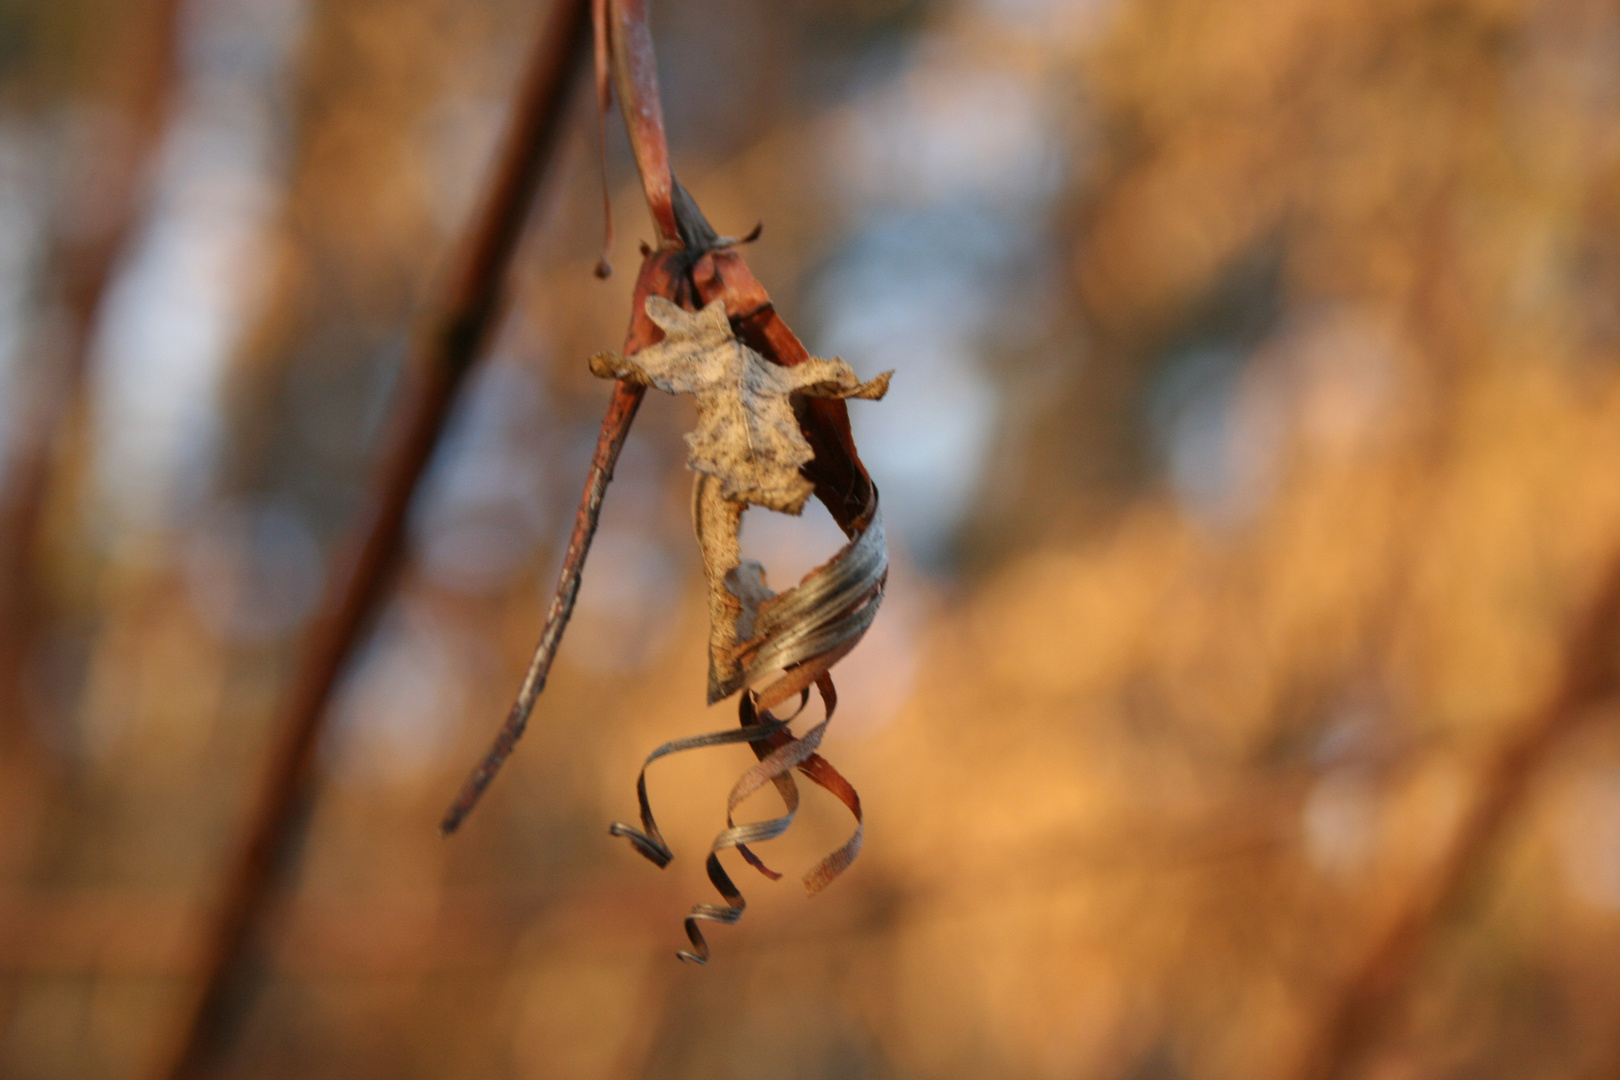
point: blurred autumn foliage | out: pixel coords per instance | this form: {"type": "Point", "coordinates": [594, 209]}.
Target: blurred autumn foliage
{"type": "Point", "coordinates": [1250, 459]}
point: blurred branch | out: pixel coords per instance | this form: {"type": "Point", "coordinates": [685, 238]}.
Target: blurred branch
{"type": "Point", "coordinates": [1376, 991]}
{"type": "Point", "coordinates": [451, 341]}
{"type": "Point", "coordinates": [91, 232]}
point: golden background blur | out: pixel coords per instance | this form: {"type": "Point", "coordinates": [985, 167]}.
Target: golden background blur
{"type": "Point", "coordinates": [1252, 449]}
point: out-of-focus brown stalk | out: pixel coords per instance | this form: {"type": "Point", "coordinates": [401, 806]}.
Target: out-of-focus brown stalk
{"type": "Point", "coordinates": [1369, 1000]}
{"type": "Point", "coordinates": [663, 273]}
{"type": "Point", "coordinates": [82, 262]}
{"type": "Point", "coordinates": [451, 341]}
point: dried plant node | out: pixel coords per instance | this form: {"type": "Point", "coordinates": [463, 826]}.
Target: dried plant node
{"type": "Point", "coordinates": [747, 436]}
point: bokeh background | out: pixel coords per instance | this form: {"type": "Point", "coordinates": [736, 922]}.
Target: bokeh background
{"type": "Point", "coordinates": [1253, 445]}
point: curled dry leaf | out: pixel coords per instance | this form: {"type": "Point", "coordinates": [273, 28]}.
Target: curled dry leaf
{"type": "Point", "coordinates": [764, 437]}
{"type": "Point", "coordinates": [779, 754]}
{"type": "Point", "coordinates": [773, 429]}
{"type": "Point", "coordinates": [747, 449]}
{"type": "Point", "coordinates": [747, 436]}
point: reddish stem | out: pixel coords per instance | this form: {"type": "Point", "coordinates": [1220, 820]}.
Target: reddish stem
{"type": "Point", "coordinates": [635, 77]}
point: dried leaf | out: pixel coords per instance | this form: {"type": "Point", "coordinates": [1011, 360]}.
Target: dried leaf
{"type": "Point", "coordinates": [747, 435]}
{"type": "Point", "coordinates": [752, 446]}
{"type": "Point", "coordinates": [717, 521]}
{"type": "Point", "coordinates": [779, 753]}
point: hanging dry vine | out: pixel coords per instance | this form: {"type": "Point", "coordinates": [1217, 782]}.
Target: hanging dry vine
{"type": "Point", "coordinates": [772, 430]}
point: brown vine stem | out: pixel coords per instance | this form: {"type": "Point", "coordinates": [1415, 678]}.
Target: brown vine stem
{"type": "Point", "coordinates": [635, 76]}
{"type": "Point", "coordinates": [454, 336]}
{"type": "Point", "coordinates": [1375, 992]}
{"type": "Point", "coordinates": [629, 53]}
{"type": "Point", "coordinates": [83, 261]}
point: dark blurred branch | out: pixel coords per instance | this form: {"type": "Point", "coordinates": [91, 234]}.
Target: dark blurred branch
{"type": "Point", "coordinates": [1375, 993]}
{"type": "Point", "coordinates": [628, 52]}
{"type": "Point", "coordinates": [91, 231]}
{"type": "Point", "coordinates": [451, 341]}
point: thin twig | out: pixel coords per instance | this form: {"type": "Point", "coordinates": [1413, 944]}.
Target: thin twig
{"type": "Point", "coordinates": [628, 51]}
{"type": "Point", "coordinates": [615, 427]}
{"type": "Point", "coordinates": [453, 341]}
{"type": "Point", "coordinates": [1371, 998]}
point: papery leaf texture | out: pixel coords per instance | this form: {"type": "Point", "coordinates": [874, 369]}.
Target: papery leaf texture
{"type": "Point", "coordinates": [747, 435]}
